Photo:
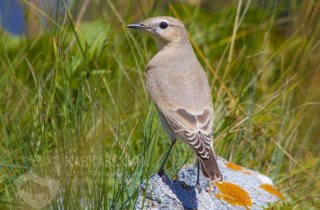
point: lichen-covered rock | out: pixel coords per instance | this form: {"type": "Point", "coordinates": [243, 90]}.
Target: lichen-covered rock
{"type": "Point", "coordinates": [241, 189]}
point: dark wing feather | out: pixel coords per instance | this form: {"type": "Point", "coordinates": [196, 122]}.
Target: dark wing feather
{"type": "Point", "coordinates": [194, 128]}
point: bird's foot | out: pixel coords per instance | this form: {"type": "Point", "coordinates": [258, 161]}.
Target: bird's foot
{"type": "Point", "coordinates": [198, 187]}
{"type": "Point", "coordinates": [162, 175]}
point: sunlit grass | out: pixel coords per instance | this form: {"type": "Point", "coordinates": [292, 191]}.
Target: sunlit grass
{"type": "Point", "coordinates": [73, 104]}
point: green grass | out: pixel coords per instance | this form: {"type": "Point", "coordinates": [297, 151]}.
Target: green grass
{"type": "Point", "coordinates": [74, 97]}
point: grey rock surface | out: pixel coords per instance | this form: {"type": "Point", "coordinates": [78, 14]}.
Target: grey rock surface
{"type": "Point", "coordinates": [241, 189]}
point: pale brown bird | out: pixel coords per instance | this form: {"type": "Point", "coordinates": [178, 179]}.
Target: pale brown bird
{"type": "Point", "coordinates": [179, 87]}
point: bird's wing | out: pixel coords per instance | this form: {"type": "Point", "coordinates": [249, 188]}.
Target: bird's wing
{"type": "Point", "coordinates": [182, 94]}
{"type": "Point", "coordinates": [194, 128]}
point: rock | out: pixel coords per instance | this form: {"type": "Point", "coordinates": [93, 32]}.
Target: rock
{"type": "Point", "coordinates": [241, 189]}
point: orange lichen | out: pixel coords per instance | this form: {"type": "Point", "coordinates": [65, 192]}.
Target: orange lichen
{"type": "Point", "coordinates": [247, 172]}
{"type": "Point", "coordinates": [208, 190]}
{"type": "Point", "coordinates": [270, 189]}
{"type": "Point", "coordinates": [233, 194]}
{"type": "Point", "coordinates": [176, 177]}
{"type": "Point", "coordinates": [234, 167]}
{"type": "Point", "coordinates": [237, 168]}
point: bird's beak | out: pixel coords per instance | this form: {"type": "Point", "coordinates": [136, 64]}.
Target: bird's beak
{"type": "Point", "coordinates": [137, 26]}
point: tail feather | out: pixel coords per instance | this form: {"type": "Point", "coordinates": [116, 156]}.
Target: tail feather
{"type": "Point", "coordinates": [209, 167]}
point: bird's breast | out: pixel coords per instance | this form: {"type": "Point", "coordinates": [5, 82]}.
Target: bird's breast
{"type": "Point", "coordinates": [176, 82]}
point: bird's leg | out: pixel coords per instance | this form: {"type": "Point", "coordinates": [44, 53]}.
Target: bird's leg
{"type": "Point", "coordinates": [198, 177]}
{"type": "Point", "coordinates": [161, 170]}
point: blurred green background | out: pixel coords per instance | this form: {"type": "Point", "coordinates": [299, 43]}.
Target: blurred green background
{"type": "Point", "coordinates": [74, 108]}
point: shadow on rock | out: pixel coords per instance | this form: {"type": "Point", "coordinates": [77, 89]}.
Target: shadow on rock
{"type": "Point", "coordinates": [185, 193]}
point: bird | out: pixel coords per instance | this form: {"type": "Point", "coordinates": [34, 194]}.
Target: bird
{"type": "Point", "coordinates": [177, 84]}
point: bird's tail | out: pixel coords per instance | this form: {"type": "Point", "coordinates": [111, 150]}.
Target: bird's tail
{"type": "Point", "coordinates": [209, 167]}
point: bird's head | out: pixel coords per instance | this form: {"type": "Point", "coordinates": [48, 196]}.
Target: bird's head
{"type": "Point", "coordinates": [165, 30]}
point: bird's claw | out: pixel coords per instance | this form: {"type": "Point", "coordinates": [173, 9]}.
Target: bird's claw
{"type": "Point", "coordinates": [198, 187]}
{"type": "Point", "coordinates": [162, 175]}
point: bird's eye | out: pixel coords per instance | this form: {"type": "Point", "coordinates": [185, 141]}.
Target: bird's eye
{"type": "Point", "coordinates": [163, 25]}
